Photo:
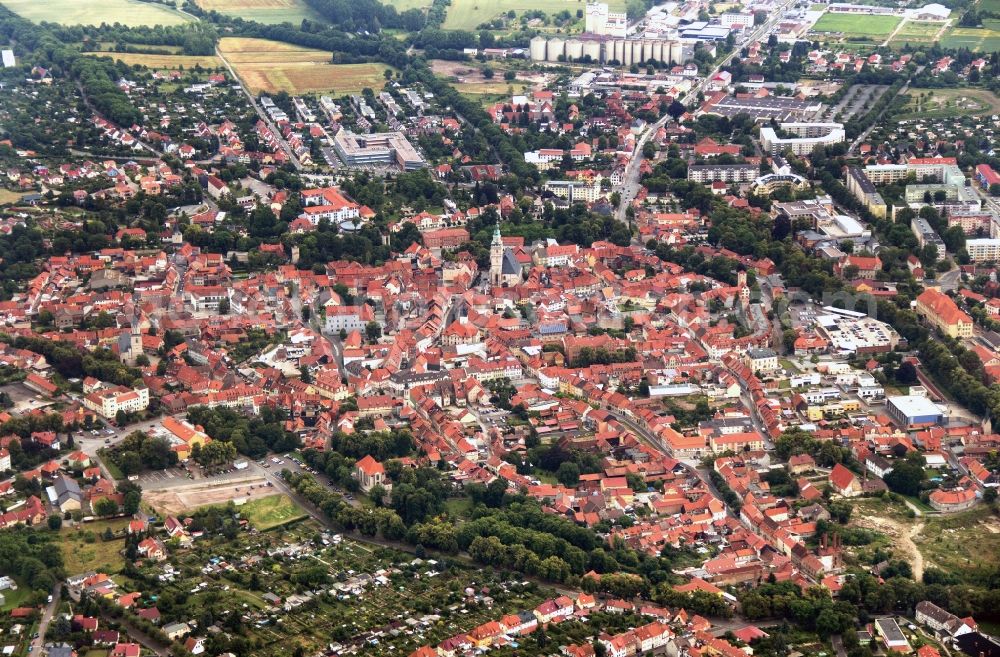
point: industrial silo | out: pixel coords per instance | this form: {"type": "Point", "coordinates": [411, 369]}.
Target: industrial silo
{"type": "Point", "coordinates": [538, 49]}
{"type": "Point", "coordinates": [656, 50]}
{"type": "Point", "coordinates": [556, 49]}
{"type": "Point", "coordinates": [676, 52]}
{"type": "Point", "coordinates": [618, 51]}
{"type": "Point", "coordinates": [593, 50]}
{"type": "Point", "coordinates": [574, 50]}
{"type": "Point", "coordinates": [636, 52]}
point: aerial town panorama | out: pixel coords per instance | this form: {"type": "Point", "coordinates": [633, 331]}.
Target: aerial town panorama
{"type": "Point", "coordinates": [523, 328]}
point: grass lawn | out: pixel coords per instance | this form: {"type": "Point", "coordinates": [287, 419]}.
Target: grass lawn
{"type": "Point", "coordinates": [458, 507]}
{"type": "Point", "coordinates": [84, 550]}
{"type": "Point", "coordinates": [988, 5]}
{"type": "Point", "coordinates": [94, 12]}
{"type": "Point", "coordinates": [263, 11]}
{"type": "Point", "coordinates": [857, 24]}
{"type": "Point", "coordinates": [112, 467]}
{"type": "Point", "coordinates": [8, 197]}
{"type": "Point", "coordinates": [272, 511]}
{"type": "Point", "coordinates": [467, 14]}
{"type": "Point", "coordinates": [15, 598]}
{"type": "Point", "coordinates": [271, 66]}
{"type": "Point", "coordinates": [96, 653]}
{"type": "Point", "coordinates": [974, 38]}
{"type": "Point", "coordinates": [946, 103]}
{"type": "Point", "coordinates": [163, 61]}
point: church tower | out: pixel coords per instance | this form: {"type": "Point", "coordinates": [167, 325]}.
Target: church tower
{"type": "Point", "coordinates": [496, 258]}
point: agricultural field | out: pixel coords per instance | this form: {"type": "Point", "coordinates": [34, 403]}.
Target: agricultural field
{"type": "Point", "coordinates": [947, 103]}
{"type": "Point", "coordinates": [171, 62]}
{"type": "Point", "coordinates": [467, 14]}
{"type": "Point", "coordinates": [84, 548]}
{"type": "Point", "coordinates": [94, 12]}
{"type": "Point", "coordinates": [916, 32]}
{"type": "Point", "coordinates": [269, 67]}
{"type": "Point", "coordinates": [980, 39]}
{"type": "Point", "coordinates": [857, 25]}
{"type": "Point", "coordinates": [263, 11]}
{"type": "Point", "coordinates": [269, 512]}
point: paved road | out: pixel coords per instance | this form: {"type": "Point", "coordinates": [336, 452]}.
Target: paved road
{"type": "Point", "coordinates": [630, 185]}
{"type": "Point", "coordinates": [260, 112]}
{"type": "Point", "coordinates": [47, 614]}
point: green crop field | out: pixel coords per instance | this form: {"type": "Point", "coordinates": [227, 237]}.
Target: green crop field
{"type": "Point", "coordinates": [916, 32]}
{"type": "Point", "coordinates": [94, 12]}
{"type": "Point", "coordinates": [973, 38]}
{"type": "Point", "coordinates": [467, 14]}
{"type": "Point", "coordinates": [857, 24]}
{"type": "Point", "coordinates": [991, 6]}
{"type": "Point", "coordinates": [263, 11]}
{"type": "Point", "coordinates": [403, 5]}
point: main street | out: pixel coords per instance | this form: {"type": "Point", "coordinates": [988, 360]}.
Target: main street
{"type": "Point", "coordinates": [630, 184]}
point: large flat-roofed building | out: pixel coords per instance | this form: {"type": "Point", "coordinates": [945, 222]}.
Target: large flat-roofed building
{"type": "Point", "coordinates": [911, 410]}
{"type": "Point", "coordinates": [779, 108]}
{"type": "Point", "coordinates": [575, 190]}
{"type": "Point", "coordinates": [927, 235]}
{"type": "Point", "coordinates": [862, 188]}
{"type": "Point", "coordinates": [729, 173]}
{"type": "Point", "coordinates": [807, 137]}
{"type": "Point", "coordinates": [382, 148]}
{"type": "Point", "coordinates": [986, 249]}
{"type": "Point", "coordinates": [938, 309]}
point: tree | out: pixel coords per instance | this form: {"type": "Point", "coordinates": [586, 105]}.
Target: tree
{"type": "Point", "coordinates": [906, 477]}
{"type": "Point", "coordinates": [224, 307]}
{"type": "Point", "coordinates": [131, 502]}
{"type": "Point", "coordinates": [373, 331]}
{"type": "Point", "coordinates": [54, 522]}
{"type": "Point", "coordinates": [568, 474]}
{"type": "Point", "coordinates": [105, 507]}
{"type": "Point", "coordinates": [906, 373]}
{"type": "Point", "coordinates": [676, 110]}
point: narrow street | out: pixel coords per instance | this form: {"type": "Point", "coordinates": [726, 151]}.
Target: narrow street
{"type": "Point", "coordinates": [47, 614]}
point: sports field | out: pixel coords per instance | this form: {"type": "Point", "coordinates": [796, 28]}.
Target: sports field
{"type": "Point", "coordinates": [163, 61]}
{"type": "Point", "coordinates": [979, 39]}
{"type": "Point", "coordinates": [94, 12]}
{"type": "Point", "coordinates": [946, 103]}
{"type": "Point", "coordinates": [263, 11]}
{"type": "Point", "coordinates": [467, 14]}
{"type": "Point", "coordinates": [267, 512]}
{"type": "Point", "coordinates": [271, 66]}
{"type": "Point", "coordinates": [857, 24]}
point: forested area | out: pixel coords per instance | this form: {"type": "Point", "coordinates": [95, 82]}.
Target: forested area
{"type": "Point", "coordinates": [251, 436]}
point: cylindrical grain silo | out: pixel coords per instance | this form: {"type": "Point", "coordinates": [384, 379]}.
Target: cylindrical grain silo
{"type": "Point", "coordinates": [593, 50]}
{"type": "Point", "coordinates": [657, 50]}
{"type": "Point", "coordinates": [636, 52]}
{"type": "Point", "coordinates": [574, 50]}
{"type": "Point", "coordinates": [556, 49]}
{"type": "Point", "coordinates": [627, 53]}
{"type": "Point", "coordinates": [537, 48]}
{"type": "Point", "coordinates": [676, 52]}
{"type": "Point", "coordinates": [618, 51]}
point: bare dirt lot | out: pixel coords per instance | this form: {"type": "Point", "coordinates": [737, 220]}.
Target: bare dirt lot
{"type": "Point", "coordinates": [174, 500]}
